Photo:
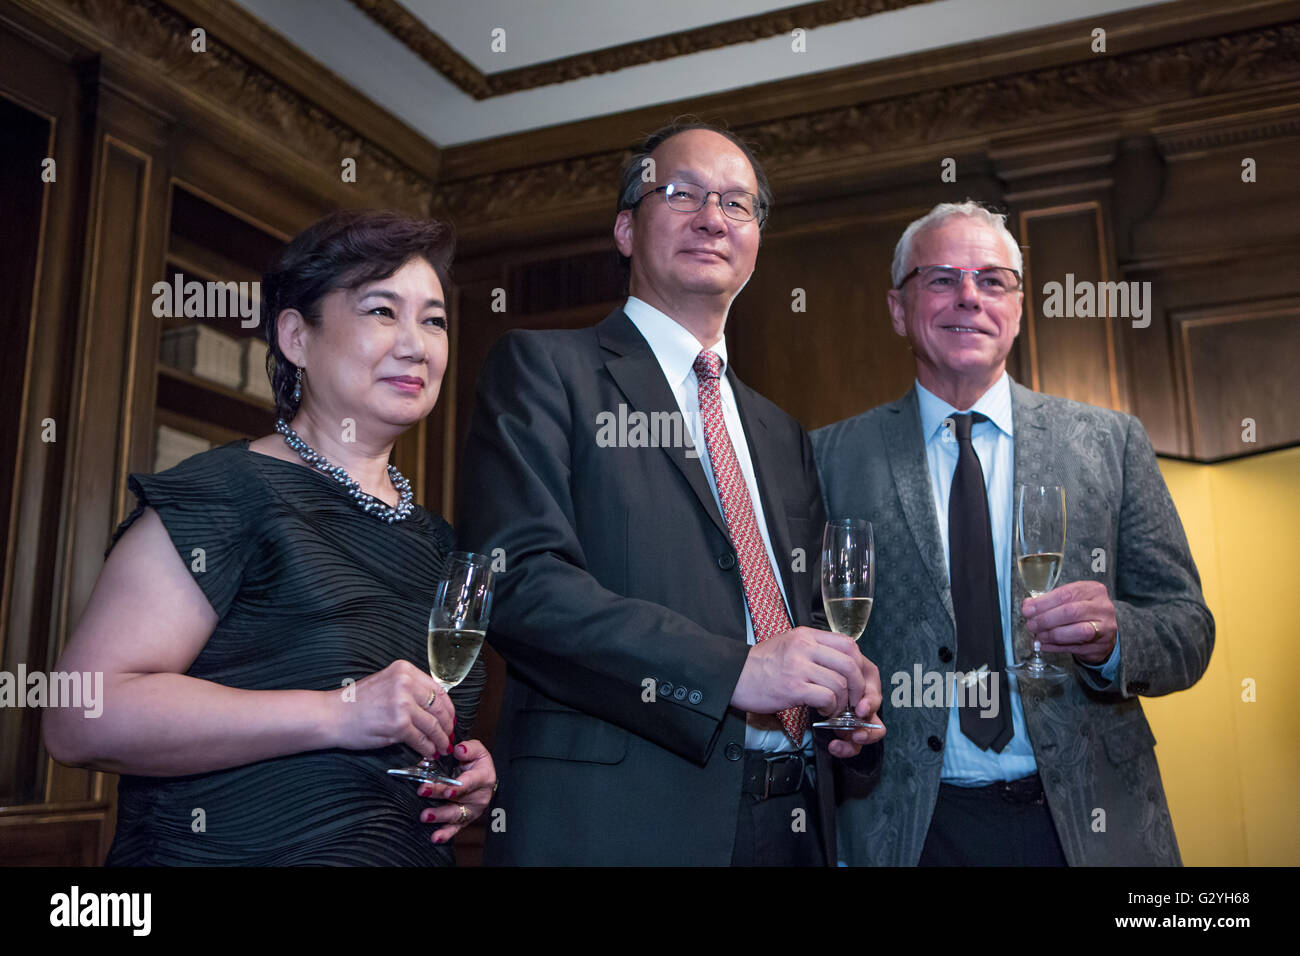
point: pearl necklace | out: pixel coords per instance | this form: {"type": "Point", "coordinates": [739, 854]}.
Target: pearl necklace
{"type": "Point", "coordinates": [369, 503]}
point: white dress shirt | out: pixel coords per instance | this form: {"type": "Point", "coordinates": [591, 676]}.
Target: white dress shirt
{"type": "Point", "coordinates": [676, 350]}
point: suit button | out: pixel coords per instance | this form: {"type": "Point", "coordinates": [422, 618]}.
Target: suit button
{"type": "Point", "coordinates": [680, 692]}
{"type": "Point", "coordinates": [733, 751]}
{"type": "Point", "coordinates": [945, 655]}
{"type": "Point", "coordinates": [696, 697]}
{"type": "Point", "coordinates": [727, 561]}
{"type": "Point", "coordinates": [665, 688]}
{"type": "Point", "coordinates": [935, 743]}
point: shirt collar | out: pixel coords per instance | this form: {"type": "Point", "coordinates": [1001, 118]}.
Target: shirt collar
{"type": "Point", "coordinates": [995, 403]}
{"type": "Point", "coordinates": [674, 347]}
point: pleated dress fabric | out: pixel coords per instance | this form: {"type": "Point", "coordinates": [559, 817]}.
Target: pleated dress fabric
{"type": "Point", "coordinates": [310, 593]}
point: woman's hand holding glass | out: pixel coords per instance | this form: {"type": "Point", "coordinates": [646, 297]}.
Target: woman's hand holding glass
{"type": "Point", "coordinates": [478, 777]}
{"type": "Point", "coordinates": [392, 706]}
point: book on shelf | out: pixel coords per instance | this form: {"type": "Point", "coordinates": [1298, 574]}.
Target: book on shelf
{"type": "Point", "coordinates": [204, 352]}
{"type": "Point", "coordinates": [256, 382]}
{"type": "Point", "coordinates": [172, 446]}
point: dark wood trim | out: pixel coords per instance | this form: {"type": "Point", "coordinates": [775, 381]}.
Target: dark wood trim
{"type": "Point", "coordinates": [1029, 61]}
{"type": "Point", "coordinates": [838, 132]}
{"type": "Point", "coordinates": [416, 36]}
{"type": "Point", "coordinates": [37, 80]}
{"type": "Point", "coordinates": [232, 98]}
{"type": "Point", "coordinates": [248, 36]}
{"type": "Point", "coordinates": [1226, 458]}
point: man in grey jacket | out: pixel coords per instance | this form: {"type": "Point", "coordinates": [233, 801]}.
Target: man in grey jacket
{"type": "Point", "coordinates": [981, 766]}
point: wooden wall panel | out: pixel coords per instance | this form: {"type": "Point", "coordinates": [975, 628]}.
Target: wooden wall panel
{"type": "Point", "coordinates": [1239, 369]}
{"type": "Point", "coordinates": [109, 324]}
{"type": "Point", "coordinates": [35, 80]}
{"type": "Point", "coordinates": [840, 356]}
{"type": "Point", "coordinates": [1214, 242]}
{"type": "Point", "coordinates": [1070, 356]}
{"type": "Point", "coordinates": [27, 142]}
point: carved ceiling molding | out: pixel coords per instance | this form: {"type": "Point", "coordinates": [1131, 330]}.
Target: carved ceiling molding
{"type": "Point", "coordinates": [1102, 89]}
{"type": "Point", "coordinates": [416, 36]}
{"type": "Point", "coordinates": [1194, 138]}
{"type": "Point", "coordinates": [158, 38]}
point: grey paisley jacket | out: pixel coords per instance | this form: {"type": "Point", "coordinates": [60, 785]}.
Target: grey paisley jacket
{"type": "Point", "coordinates": [1094, 749]}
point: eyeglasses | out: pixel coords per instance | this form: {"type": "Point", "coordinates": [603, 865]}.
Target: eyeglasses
{"type": "Point", "coordinates": [991, 281]}
{"type": "Point", "coordinates": [690, 197]}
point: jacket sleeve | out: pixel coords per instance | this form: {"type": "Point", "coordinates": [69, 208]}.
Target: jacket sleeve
{"type": "Point", "coordinates": [1165, 628]}
{"type": "Point", "coordinates": [557, 627]}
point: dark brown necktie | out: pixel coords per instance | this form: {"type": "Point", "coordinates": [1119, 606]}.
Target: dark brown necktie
{"type": "Point", "coordinates": [972, 569]}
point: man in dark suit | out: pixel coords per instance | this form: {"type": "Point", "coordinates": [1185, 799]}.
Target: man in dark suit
{"type": "Point", "coordinates": [659, 524]}
{"type": "Point", "coordinates": [1034, 773]}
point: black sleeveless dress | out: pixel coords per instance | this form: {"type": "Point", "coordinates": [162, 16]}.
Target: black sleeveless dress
{"type": "Point", "coordinates": [310, 592]}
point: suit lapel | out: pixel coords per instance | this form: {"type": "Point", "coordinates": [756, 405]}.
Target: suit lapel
{"type": "Point", "coordinates": [905, 447]}
{"type": "Point", "coordinates": [639, 376]}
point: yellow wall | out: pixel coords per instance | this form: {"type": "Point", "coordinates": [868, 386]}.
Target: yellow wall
{"type": "Point", "coordinates": [1231, 768]}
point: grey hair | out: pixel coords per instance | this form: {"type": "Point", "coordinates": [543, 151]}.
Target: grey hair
{"type": "Point", "coordinates": [939, 215]}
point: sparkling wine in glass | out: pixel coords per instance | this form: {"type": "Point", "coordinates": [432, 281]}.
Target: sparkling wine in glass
{"type": "Point", "coordinates": [848, 591]}
{"type": "Point", "coordinates": [1040, 547]}
{"type": "Point", "coordinates": [457, 625]}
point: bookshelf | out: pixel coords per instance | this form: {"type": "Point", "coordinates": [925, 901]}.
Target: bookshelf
{"type": "Point", "coordinates": [208, 242]}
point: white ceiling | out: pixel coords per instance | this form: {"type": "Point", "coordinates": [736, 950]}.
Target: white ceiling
{"type": "Point", "coordinates": [357, 49]}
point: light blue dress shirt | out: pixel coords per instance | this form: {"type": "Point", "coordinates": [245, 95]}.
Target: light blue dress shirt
{"type": "Point", "coordinates": [965, 764]}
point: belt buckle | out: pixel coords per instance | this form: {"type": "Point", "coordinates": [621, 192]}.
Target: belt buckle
{"type": "Point", "coordinates": [770, 763]}
{"type": "Point", "coordinates": [1012, 793]}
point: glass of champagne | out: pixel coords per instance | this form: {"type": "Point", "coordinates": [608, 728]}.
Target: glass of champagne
{"type": "Point", "coordinates": [1040, 541]}
{"type": "Point", "coordinates": [457, 625]}
{"type": "Point", "coordinates": [848, 589]}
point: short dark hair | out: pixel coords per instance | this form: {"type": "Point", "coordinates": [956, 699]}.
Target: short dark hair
{"type": "Point", "coordinates": [345, 250]}
{"type": "Point", "coordinates": [630, 181]}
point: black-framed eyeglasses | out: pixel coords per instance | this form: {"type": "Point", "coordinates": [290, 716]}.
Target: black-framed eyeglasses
{"type": "Point", "coordinates": [943, 279]}
{"type": "Point", "coordinates": [690, 197]}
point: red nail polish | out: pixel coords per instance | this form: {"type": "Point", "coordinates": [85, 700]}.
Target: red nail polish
{"type": "Point", "coordinates": [464, 749]}
{"type": "Point", "coordinates": [452, 794]}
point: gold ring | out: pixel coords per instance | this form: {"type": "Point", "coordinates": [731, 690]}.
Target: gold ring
{"type": "Point", "coordinates": [433, 695]}
{"type": "Point", "coordinates": [464, 814]}
{"type": "Point", "coordinates": [1096, 631]}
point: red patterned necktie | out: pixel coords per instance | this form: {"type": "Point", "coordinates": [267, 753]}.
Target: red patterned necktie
{"type": "Point", "coordinates": [766, 609]}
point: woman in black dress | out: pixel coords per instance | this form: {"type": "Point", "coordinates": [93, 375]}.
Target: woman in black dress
{"type": "Point", "coordinates": [261, 618]}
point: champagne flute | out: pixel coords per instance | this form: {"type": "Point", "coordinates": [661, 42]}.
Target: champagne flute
{"type": "Point", "coordinates": [848, 589]}
{"type": "Point", "coordinates": [1040, 541]}
{"type": "Point", "coordinates": [457, 625]}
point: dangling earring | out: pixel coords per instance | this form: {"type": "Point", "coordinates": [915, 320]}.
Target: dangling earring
{"type": "Point", "coordinates": [297, 388]}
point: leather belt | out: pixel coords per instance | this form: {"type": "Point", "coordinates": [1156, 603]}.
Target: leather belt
{"type": "Point", "coordinates": [772, 775]}
{"type": "Point", "coordinates": [1026, 790]}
